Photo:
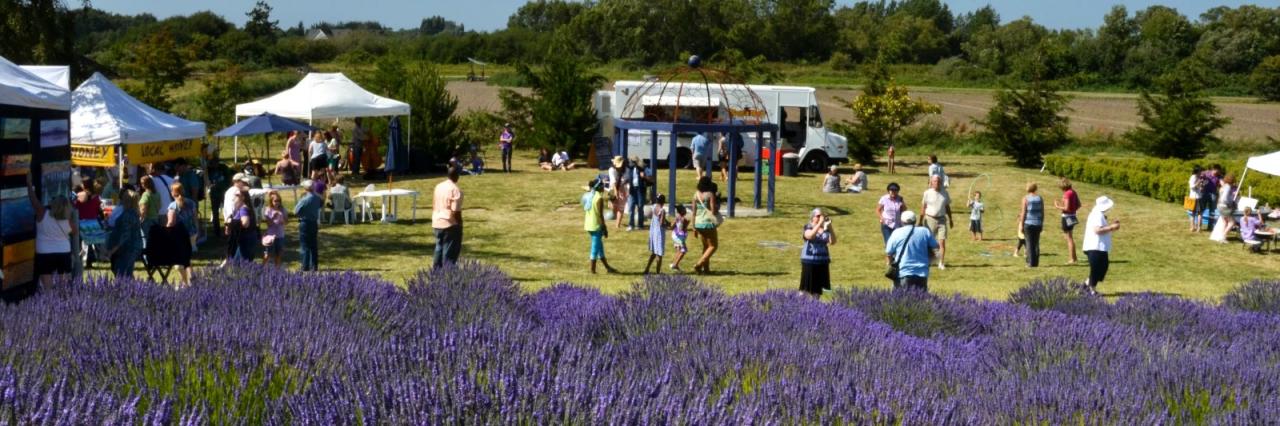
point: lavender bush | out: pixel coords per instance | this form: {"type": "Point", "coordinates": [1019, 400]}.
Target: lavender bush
{"type": "Point", "coordinates": [250, 344]}
{"type": "Point", "coordinates": [1256, 295]}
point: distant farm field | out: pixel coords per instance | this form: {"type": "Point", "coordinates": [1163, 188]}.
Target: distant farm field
{"type": "Point", "coordinates": [1091, 113]}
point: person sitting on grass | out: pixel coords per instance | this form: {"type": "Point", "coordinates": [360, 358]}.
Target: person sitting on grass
{"type": "Point", "coordinates": [477, 164]}
{"type": "Point", "coordinates": [831, 182]}
{"type": "Point", "coordinates": [561, 161]}
{"type": "Point", "coordinates": [544, 160]}
{"type": "Point", "coordinates": [858, 182]}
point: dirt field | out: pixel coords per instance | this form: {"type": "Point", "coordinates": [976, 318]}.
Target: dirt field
{"type": "Point", "coordinates": [1099, 113]}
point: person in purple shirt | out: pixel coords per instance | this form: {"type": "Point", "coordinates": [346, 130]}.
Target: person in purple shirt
{"type": "Point", "coordinates": [889, 210]}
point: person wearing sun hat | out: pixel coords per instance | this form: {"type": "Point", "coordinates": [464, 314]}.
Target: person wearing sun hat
{"type": "Point", "coordinates": [1097, 241]}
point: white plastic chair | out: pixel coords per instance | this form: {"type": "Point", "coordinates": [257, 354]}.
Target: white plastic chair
{"type": "Point", "coordinates": [366, 205]}
{"type": "Point", "coordinates": [341, 205]}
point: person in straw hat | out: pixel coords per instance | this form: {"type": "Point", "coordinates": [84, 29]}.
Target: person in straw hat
{"type": "Point", "coordinates": [616, 188]}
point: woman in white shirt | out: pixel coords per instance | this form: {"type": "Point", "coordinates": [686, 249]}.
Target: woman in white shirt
{"type": "Point", "coordinates": [54, 229]}
{"type": "Point", "coordinates": [1226, 210]}
{"type": "Point", "coordinates": [1097, 241]}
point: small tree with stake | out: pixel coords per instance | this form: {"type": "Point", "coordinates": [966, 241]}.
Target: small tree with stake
{"type": "Point", "coordinates": [1026, 124]}
{"type": "Point", "coordinates": [882, 110]}
{"type": "Point", "coordinates": [1177, 123]}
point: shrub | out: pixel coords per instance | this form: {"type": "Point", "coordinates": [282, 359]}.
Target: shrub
{"type": "Point", "coordinates": [1257, 296]}
{"type": "Point", "coordinates": [881, 112]}
{"type": "Point", "coordinates": [1162, 179]}
{"type": "Point", "coordinates": [1266, 79]}
{"type": "Point", "coordinates": [1027, 124]}
{"type": "Point", "coordinates": [1058, 294]}
{"type": "Point", "coordinates": [1177, 123]}
{"type": "Point", "coordinates": [909, 311]}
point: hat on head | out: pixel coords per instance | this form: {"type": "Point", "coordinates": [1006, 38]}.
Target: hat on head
{"type": "Point", "coordinates": [908, 217]}
{"type": "Point", "coordinates": [1103, 204]}
{"type": "Point", "coordinates": [617, 161]}
{"type": "Point", "coordinates": [893, 186]}
{"type": "Point", "coordinates": [238, 177]}
{"type": "Point", "coordinates": [834, 167]}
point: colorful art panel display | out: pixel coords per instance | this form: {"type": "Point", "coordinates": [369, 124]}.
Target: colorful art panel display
{"type": "Point", "coordinates": [55, 179]}
{"type": "Point", "coordinates": [15, 128]}
{"type": "Point", "coordinates": [18, 274]}
{"type": "Point", "coordinates": [16, 165]}
{"type": "Point", "coordinates": [54, 133]}
{"type": "Point", "coordinates": [17, 219]}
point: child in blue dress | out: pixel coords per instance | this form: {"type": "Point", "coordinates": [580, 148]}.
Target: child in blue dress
{"type": "Point", "coordinates": [657, 235]}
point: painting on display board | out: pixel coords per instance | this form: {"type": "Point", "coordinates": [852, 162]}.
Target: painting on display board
{"type": "Point", "coordinates": [15, 128]}
{"type": "Point", "coordinates": [19, 263]}
{"type": "Point", "coordinates": [55, 179]}
{"type": "Point", "coordinates": [17, 217]}
{"type": "Point", "coordinates": [16, 165]}
{"type": "Point", "coordinates": [54, 133]}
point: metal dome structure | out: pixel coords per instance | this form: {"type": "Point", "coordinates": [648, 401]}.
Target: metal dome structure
{"type": "Point", "coordinates": [696, 99]}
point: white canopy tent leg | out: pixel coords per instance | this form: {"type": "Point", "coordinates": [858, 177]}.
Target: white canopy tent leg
{"type": "Point", "coordinates": [235, 158]}
{"type": "Point", "coordinates": [408, 160]}
{"type": "Point", "coordinates": [1241, 183]}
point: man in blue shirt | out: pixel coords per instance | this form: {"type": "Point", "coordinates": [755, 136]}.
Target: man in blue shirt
{"type": "Point", "coordinates": [917, 246]}
{"type": "Point", "coordinates": [700, 157]}
{"type": "Point", "coordinates": [308, 213]}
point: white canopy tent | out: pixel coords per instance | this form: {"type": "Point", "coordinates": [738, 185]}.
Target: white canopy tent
{"type": "Point", "coordinates": [325, 96]}
{"type": "Point", "coordinates": [102, 114]}
{"type": "Point", "coordinates": [1269, 164]}
{"type": "Point", "coordinates": [56, 74]}
{"type": "Point", "coordinates": [20, 87]}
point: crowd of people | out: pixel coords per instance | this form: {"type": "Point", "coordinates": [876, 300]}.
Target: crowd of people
{"type": "Point", "coordinates": [914, 240]}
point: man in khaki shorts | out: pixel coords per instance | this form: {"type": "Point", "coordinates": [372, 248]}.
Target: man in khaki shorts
{"type": "Point", "coordinates": [936, 207]}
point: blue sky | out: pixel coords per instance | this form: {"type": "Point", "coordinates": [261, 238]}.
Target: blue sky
{"type": "Point", "coordinates": [492, 14]}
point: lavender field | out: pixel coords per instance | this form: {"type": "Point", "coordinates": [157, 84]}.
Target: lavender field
{"type": "Point", "coordinates": [257, 345]}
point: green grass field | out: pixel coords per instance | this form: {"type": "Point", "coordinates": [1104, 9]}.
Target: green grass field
{"type": "Point", "coordinates": [529, 224]}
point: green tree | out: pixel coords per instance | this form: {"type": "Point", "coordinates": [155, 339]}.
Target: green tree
{"type": "Point", "coordinates": [36, 31]}
{"type": "Point", "coordinates": [158, 63]}
{"type": "Point", "coordinates": [1266, 79]}
{"type": "Point", "coordinates": [434, 125]}
{"type": "Point", "coordinates": [260, 25]}
{"type": "Point", "coordinates": [216, 103]}
{"type": "Point", "coordinates": [881, 112]}
{"type": "Point", "coordinates": [560, 106]}
{"type": "Point", "coordinates": [1177, 123]}
{"type": "Point", "coordinates": [1026, 124]}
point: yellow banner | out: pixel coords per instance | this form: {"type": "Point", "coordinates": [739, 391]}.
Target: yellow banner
{"type": "Point", "coordinates": [162, 151]}
{"type": "Point", "coordinates": [93, 155]}
{"type": "Point", "coordinates": [105, 155]}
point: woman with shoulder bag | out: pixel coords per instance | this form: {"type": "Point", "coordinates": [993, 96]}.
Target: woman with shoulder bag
{"type": "Point", "coordinates": [706, 219]}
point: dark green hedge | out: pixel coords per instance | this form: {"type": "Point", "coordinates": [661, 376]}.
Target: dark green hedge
{"type": "Point", "coordinates": [1162, 179]}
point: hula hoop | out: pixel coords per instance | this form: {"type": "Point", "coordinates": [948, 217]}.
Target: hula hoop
{"type": "Point", "coordinates": [993, 216]}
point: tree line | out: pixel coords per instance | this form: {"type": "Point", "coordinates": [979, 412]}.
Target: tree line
{"type": "Point", "coordinates": [1228, 47]}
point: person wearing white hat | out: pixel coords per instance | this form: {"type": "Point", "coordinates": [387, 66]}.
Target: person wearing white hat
{"type": "Point", "coordinates": [911, 247]}
{"type": "Point", "coordinates": [1097, 241]}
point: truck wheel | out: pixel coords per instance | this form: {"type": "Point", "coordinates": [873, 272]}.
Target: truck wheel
{"type": "Point", "coordinates": [814, 162]}
{"type": "Point", "coordinates": [684, 158]}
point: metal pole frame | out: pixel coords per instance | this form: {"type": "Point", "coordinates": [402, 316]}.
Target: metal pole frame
{"type": "Point", "coordinates": [653, 162]}
{"type": "Point", "coordinates": [733, 171]}
{"type": "Point", "coordinates": [773, 149]}
{"type": "Point", "coordinates": [758, 168]}
{"type": "Point", "coordinates": [671, 174]}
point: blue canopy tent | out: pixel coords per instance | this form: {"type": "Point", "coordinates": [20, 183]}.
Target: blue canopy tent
{"type": "Point", "coordinates": [263, 124]}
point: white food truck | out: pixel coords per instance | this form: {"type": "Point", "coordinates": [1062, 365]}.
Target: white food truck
{"type": "Point", "coordinates": [794, 108]}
